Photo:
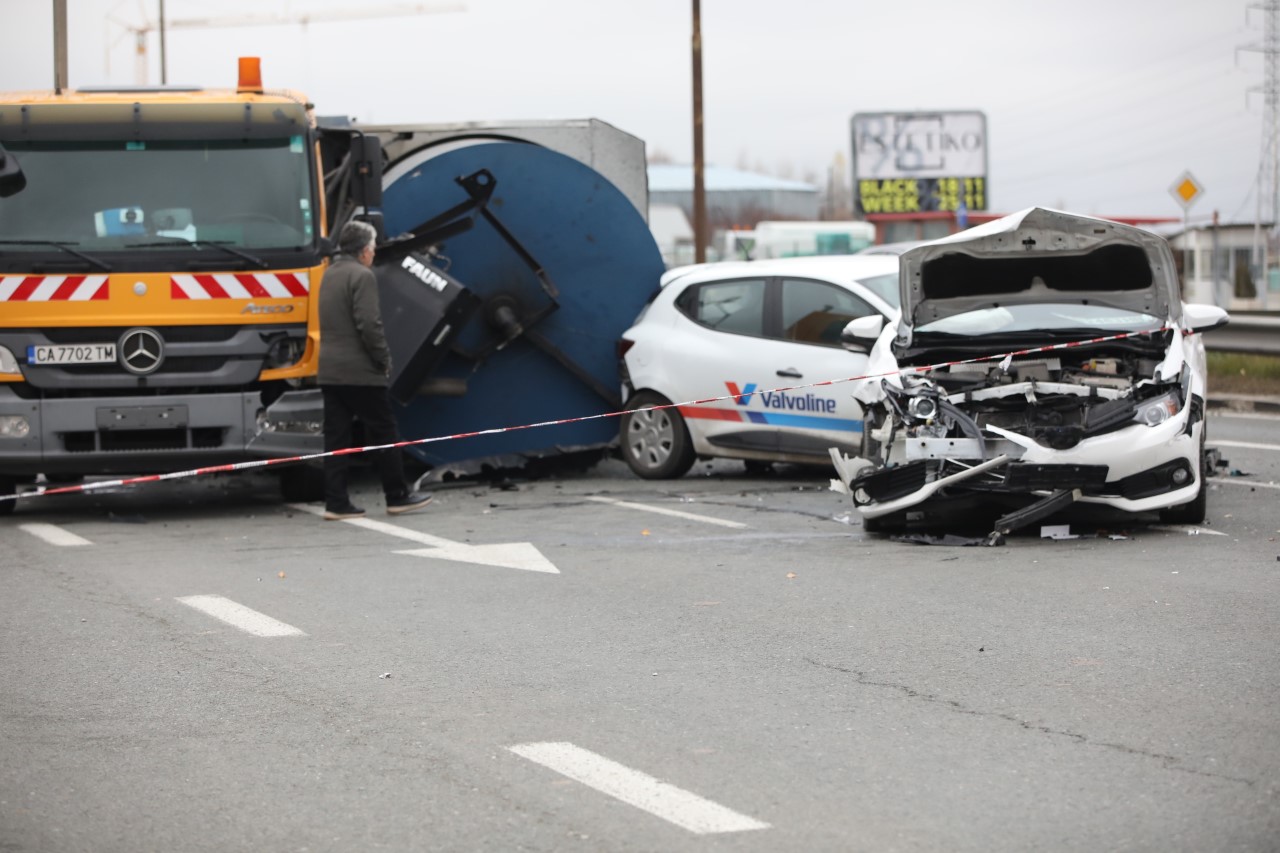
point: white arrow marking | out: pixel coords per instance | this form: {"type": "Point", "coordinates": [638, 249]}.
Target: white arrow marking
{"type": "Point", "coordinates": [513, 555]}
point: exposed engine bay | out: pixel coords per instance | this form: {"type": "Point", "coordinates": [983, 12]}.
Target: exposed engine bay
{"type": "Point", "coordinates": [1041, 360]}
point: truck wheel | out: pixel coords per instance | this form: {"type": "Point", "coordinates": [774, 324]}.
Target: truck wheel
{"type": "Point", "coordinates": [302, 483]}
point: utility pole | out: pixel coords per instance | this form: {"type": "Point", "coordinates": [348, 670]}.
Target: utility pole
{"type": "Point", "coordinates": [1268, 188]}
{"type": "Point", "coordinates": [699, 186]}
{"type": "Point", "coordinates": [164, 70]}
{"type": "Point", "coordinates": [59, 46]}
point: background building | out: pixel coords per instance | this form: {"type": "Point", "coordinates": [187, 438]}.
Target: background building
{"type": "Point", "coordinates": [735, 199]}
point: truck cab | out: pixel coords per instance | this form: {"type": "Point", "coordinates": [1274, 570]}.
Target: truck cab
{"type": "Point", "coordinates": [158, 254]}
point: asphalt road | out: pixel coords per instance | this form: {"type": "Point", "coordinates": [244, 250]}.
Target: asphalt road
{"type": "Point", "coordinates": [723, 662]}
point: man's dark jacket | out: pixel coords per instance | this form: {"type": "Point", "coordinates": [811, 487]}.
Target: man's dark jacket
{"type": "Point", "coordinates": [353, 348]}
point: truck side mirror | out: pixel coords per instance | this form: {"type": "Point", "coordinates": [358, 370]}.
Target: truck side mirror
{"type": "Point", "coordinates": [366, 171]}
{"type": "Point", "coordinates": [11, 178]}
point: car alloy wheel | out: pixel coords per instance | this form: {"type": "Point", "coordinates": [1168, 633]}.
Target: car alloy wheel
{"type": "Point", "coordinates": [655, 443]}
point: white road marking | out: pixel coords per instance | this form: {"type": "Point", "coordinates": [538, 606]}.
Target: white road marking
{"type": "Point", "coordinates": [54, 535]}
{"type": "Point", "coordinates": [1243, 481]}
{"type": "Point", "coordinates": [239, 616]}
{"type": "Point", "coordinates": [661, 510]}
{"type": "Point", "coordinates": [637, 789]}
{"type": "Point", "coordinates": [1189, 529]}
{"type": "Point", "coordinates": [511, 555]}
{"type": "Point", "coordinates": [1251, 445]}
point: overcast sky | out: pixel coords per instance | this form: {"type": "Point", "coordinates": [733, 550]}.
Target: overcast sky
{"type": "Point", "coordinates": [1095, 106]}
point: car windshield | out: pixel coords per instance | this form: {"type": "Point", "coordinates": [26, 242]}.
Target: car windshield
{"type": "Point", "coordinates": [116, 195]}
{"type": "Point", "coordinates": [1041, 317]}
{"type": "Point", "coordinates": [884, 286]}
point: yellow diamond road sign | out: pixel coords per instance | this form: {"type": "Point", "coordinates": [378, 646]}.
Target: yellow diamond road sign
{"type": "Point", "coordinates": [1186, 190]}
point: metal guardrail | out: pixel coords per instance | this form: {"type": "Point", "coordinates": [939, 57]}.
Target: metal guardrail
{"type": "Point", "coordinates": [1253, 334]}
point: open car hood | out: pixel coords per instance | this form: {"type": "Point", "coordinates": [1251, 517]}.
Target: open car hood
{"type": "Point", "coordinates": [1039, 255]}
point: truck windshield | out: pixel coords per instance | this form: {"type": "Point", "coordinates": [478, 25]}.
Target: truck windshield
{"type": "Point", "coordinates": [111, 196]}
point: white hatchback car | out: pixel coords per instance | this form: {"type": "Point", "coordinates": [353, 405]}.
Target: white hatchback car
{"type": "Point", "coordinates": [1040, 360]}
{"type": "Point", "coordinates": [760, 334]}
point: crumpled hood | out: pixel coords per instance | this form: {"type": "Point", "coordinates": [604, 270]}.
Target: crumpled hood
{"type": "Point", "coordinates": [1039, 255]}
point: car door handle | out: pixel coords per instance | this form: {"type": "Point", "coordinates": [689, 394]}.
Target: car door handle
{"type": "Point", "coordinates": [791, 373]}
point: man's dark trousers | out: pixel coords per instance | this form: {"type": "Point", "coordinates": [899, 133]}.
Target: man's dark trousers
{"type": "Point", "coordinates": [370, 405]}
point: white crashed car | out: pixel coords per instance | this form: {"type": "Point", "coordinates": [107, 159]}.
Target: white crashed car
{"type": "Point", "coordinates": [1041, 359]}
{"type": "Point", "coordinates": [757, 337]}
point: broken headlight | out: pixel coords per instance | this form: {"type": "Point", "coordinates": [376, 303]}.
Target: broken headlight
{"type": "Point", "coordinates": [1157, 410]}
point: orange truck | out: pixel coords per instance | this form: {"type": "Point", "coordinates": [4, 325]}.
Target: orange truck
{"type": "Point", "coordinates": [159, 254]}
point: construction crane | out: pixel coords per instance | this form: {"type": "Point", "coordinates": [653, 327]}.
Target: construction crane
{"type": "Point", "coordinates": [142, 31]}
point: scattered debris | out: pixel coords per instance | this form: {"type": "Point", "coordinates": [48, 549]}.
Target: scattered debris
{"type": "Point", "coordinates": [1057, 531]}
{"type": "Point", "coordinates": [385, 675]}
{"type": "Point", "coordinates": [948, 539]}
{"type": "Point", "coordinates": [126, 519]}
{"type": "Point", "coordinates": [790, 575]}
{"type": "Point", "coordinates": [280, 575]}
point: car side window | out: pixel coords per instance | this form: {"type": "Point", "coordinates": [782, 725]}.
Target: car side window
{"type": "Point", "coordinates": [727, 306]}
{"type": "Point", "coordinates": [814, 312]}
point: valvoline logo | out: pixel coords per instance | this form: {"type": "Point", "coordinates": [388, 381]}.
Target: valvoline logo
{"type": "Point", "coordinates": [780, 409]}
{"type": "Point", "coordinates": [806, 402]}
{"type": "Point", "coordinates": [741, 396]}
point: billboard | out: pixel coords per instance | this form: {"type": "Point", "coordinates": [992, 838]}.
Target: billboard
{"type": "Point", "coordinates": [919, 161]}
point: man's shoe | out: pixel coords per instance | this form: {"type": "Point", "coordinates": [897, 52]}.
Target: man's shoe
{"type": "Point", "coordinates": [341, 512]}
{"type": "Point", "coordinates": [407, 503]}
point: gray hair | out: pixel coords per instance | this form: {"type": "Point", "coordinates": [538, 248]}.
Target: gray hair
{"type": "Point", "coordinates": [355, 237]}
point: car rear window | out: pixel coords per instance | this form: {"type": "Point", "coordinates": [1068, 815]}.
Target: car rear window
{"type": "Point", "coordinates": [727, 306]}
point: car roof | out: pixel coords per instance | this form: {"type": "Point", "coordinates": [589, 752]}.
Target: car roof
{"type": "Point", "coordinates": [834, 267]}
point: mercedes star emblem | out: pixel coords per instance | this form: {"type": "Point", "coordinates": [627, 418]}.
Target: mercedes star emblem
{"type": "Point", "coordinates": [141, 351]}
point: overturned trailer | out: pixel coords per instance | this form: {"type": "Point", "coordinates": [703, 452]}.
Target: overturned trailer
{"type": "Point", "coordinates": [1040, 360]}
{"type": "Point", "coordinates": [514, 255]}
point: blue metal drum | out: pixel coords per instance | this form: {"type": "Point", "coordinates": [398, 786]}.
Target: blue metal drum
{"type": "Point", "coordinates": [531, 352]}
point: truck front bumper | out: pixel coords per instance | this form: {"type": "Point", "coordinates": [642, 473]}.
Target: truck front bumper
{"type": "Point", "coordinates": [135, 435]}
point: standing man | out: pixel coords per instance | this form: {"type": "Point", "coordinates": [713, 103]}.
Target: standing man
{"type": "Point", "coordinates": [355, 366]}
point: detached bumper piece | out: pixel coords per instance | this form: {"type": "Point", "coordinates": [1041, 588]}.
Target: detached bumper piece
{"type": "Point", "coordinates": [888, 484]}
{"type": "Point", "coordinates": [1029, 514]}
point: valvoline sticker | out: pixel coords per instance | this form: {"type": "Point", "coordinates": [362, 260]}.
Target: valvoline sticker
{"type": "Point", "coordinates": [775, 408]}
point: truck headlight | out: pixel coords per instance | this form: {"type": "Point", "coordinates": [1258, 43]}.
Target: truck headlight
{"type": "Point", "coordinates": [1157, 410]}
{"type": "Point", "coordinates": [14, 426]}
{"type": "Point", "coordinates": [8, 364]}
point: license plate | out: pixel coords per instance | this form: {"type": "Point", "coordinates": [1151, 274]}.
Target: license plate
{"type": "Point", "coordinates": [72, 354]}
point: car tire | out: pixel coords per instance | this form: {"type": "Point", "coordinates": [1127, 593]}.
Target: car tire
{"type": "Point", "coordinates": [655, 444]}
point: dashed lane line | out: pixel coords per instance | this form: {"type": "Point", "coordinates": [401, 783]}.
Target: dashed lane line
{"type": "Point", "coordinates": [641, 790]}
{"type": "Point", "coordinates": [239, 616]}
{"type": "Point", "coordinates": [54, 535]}
{"type": "Point", "coordinates": [706, 519]}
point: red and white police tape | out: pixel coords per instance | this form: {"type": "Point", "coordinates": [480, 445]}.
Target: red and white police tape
{"type": "Point", "coordinates": [352, 451]}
